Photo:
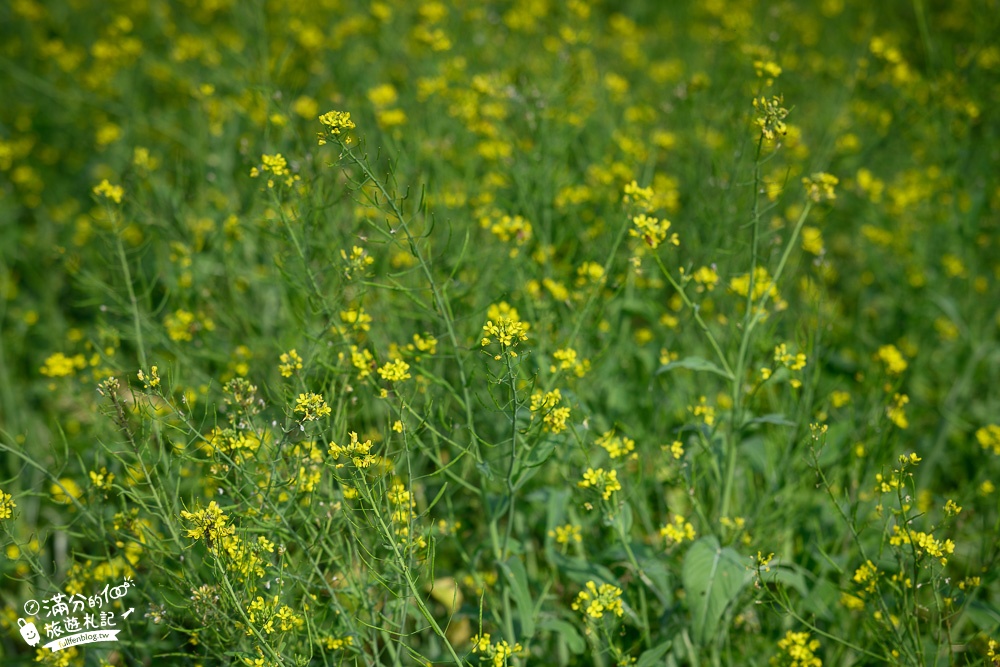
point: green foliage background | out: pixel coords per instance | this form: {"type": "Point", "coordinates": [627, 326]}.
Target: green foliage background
{"type": "Point", "coordinates": [499, 161]}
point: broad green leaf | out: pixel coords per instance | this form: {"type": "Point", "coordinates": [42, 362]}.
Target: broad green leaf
{"type": "Point", "coordinates": [513, 568]}
{"type": "Point", "coordinates": [581, 571]}
{"type": "Point", "coordinates": [624, 518]}
{"type": "Point", "coordinates": [694, 364]}
{"type": "Point", "coordinates": [654, 656]}
{"type": "Point", "coordinates": [983, 615]}
{"type": "Point", "coordinates": [712, 577]}
{"type": "Point", "coordinates": [566, 632]}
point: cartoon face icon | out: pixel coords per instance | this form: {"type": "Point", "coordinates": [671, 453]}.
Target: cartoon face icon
{"type": "Point", "coordinates": [28, 631]}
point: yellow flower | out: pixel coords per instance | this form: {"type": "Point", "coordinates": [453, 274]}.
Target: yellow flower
{"type": "Point", "coordinates": [820, 186]}
{"type": "Point", "coordinates": [771, 120]}
{"type": "Point", "coordinates": [209, 523]}
{"type": "Point", "coordinates": [812, 240]}
{"type": "Point", "coordinates": [112, 192]}
{"type": "Point", "coordinates": [605, 482]}
{"type": "Point", "coordinates": [799, 651]}
{"type": "Point", "coordinates": [312, 406]}
{"type": "Point", "coordinates": [103, 479]}
{"type": "Point", "coordinates": [65, 491]}
{"type": "Point", "coordinates": [150, 381]}
{"type": "Point", "coordinates": [7, 504]}
{"type": "Point", "coordinates": [290, 362]}
{"type": "Point", "coordinates": [59, 365]}
{"type": "Point", "coordinates": [897, 411]}
{"type": "Point", "coordinates": [892, 358]}
{"type": "Point", "coordinates": [358, 451]}
{"type": "Point", "coordinates": [547, 404]}
{"type": "Point", "coordinates": [616, 446]}
{"type": "Point", "coordinates": [596, 601]}
{"type": "Point", "coordinates": [989, 437]}
{"type": "Point", "coordinates": [395, 371]}
{"type": "Point", "coordinates": [653, 231]}
{"type": "Point", "coordinates": [566, 533]}
{"type": "Point", "coordinates": [678, 531]}
{"type": "Point", "coordinates": [334, 122]}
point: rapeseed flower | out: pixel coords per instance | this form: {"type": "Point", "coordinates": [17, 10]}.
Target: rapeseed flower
{"type": "Point", "coordinates": [334, 122]}
{"type": "Point", "coordinates": [290, 362]}
{"type": "Point", "coordinates": [210, 523]}
{"type": "Point", "coordinates": [7, 505]}
{"type": "Point", "coordinates": [798, 650]}
{"type": "Point", "coordinates": [312, 406]}
{"type": "Point", "coordinates": [596, 601]}
{"type": "Point", "coordinates": [605, 482]}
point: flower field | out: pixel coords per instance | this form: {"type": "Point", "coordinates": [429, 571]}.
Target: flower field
{"type": "Point", "coordinates": [502, 333]}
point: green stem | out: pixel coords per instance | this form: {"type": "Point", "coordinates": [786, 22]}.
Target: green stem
{"type": "Point", "coordinates": [133, 301]}
{"type": "Point", "coordinates": [697, 316]}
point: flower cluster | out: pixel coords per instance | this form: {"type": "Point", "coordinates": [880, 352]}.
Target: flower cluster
{"type": "Point", "coordinates": [312, 406]}
{"type": "Point", "coordinates": [150, 381]}
{"type": "Point", "coordinates": [7, 505]}
{"type": "Point", "coordinates": [653, 231]}
{"type": "Point", "coordinates": [356, 261]}
{"type": "Point", "coordinates": [359, 452]}
{"type": "Point", "coordinates": [363, 361]}
{"type": "Point", "coordinates": [209, 523]}
{"type": "Point", "coordinates": [638, 197]}
{"type": "Point", "coordinates": [506, 331]}
{"type": "Point", "coordinates": [60, 365]}
{"type": "Point", "coordinates": [395, 371]}
{"type": "Point", "coordinates": [892, 359]}
{"type": "Point", "coordinates": [568, 361]}
{"type": "Point", "coordinates": [108, 191]}
{"type": "Point", "coordinates": [605, 482]}
{"type": "Point", "coordinates": [334, 123]}
{"type": "Point", "coordinates": [497, 653]}
{"type": "Point", "coordinates": [989, 437]}
{"type": "Point", "coordinates": [265, 613]}
{"type": "Point", "coordinates": [290, 362]}
{"type": "Point", "coordinates": [554, 416]}
{"type": "Point", "coordinates": [771, 118]}
{"type": "Point", "coordinates": [617, 446]}
{"type": "Point", "coordinates": [820, 186]}
{"type": "Point", "coordinates": [763, 286]}
{"type": "Point", "coordinates": [507, 228]}
{"type": "Point", "coordinates": [277, 166]}
{"type": "Point", "coordinates": [596, 601]}
{"type": "Point", "coordinates": [798, 650]}
{"type": "Point", "coordinates": [566, 533]}
{"type": "Point", "coordinates": [102, 480]}
{"type": "Point", "coordinates": [678, 531]}
{"type": "Point", "coordinates": [867, 576]}
{"type": "Point", "coordinates": [896, 412]}
{"type": "Point", "coordinates": [923, 543]}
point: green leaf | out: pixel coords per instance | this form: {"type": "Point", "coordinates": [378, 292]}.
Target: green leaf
{"type": "Point", "coordinates": [654, 655]}
{"type": "Point", "coordinates": [581, 571]}
{"type": "Point", "coordinates": [566, 632]}
{"type": "Point", "coordinates": [776, 418]}
{"type": "Point", "coordinates": [517, 578]}
{"type": "Point", "coordinates": [712, 577]}
{"type": "Point", "coordinates": [694, 364]}
{"type": "Point", "coordinates": [983, 615]}
{"type": "Point", "coordinates": [624, 518]}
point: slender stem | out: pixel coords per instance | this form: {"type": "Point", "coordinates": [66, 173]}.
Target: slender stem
{"type": "Point", "coordinates": [133, 301]}
{"type": "Point", "coordinates": [511, 377]}
{"type": "Point", "coordinates": [439, 299]}
{"type": "Point", "coordinates": [697, 316]}
{"type": "Point", "coordinates": [404, 569]}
